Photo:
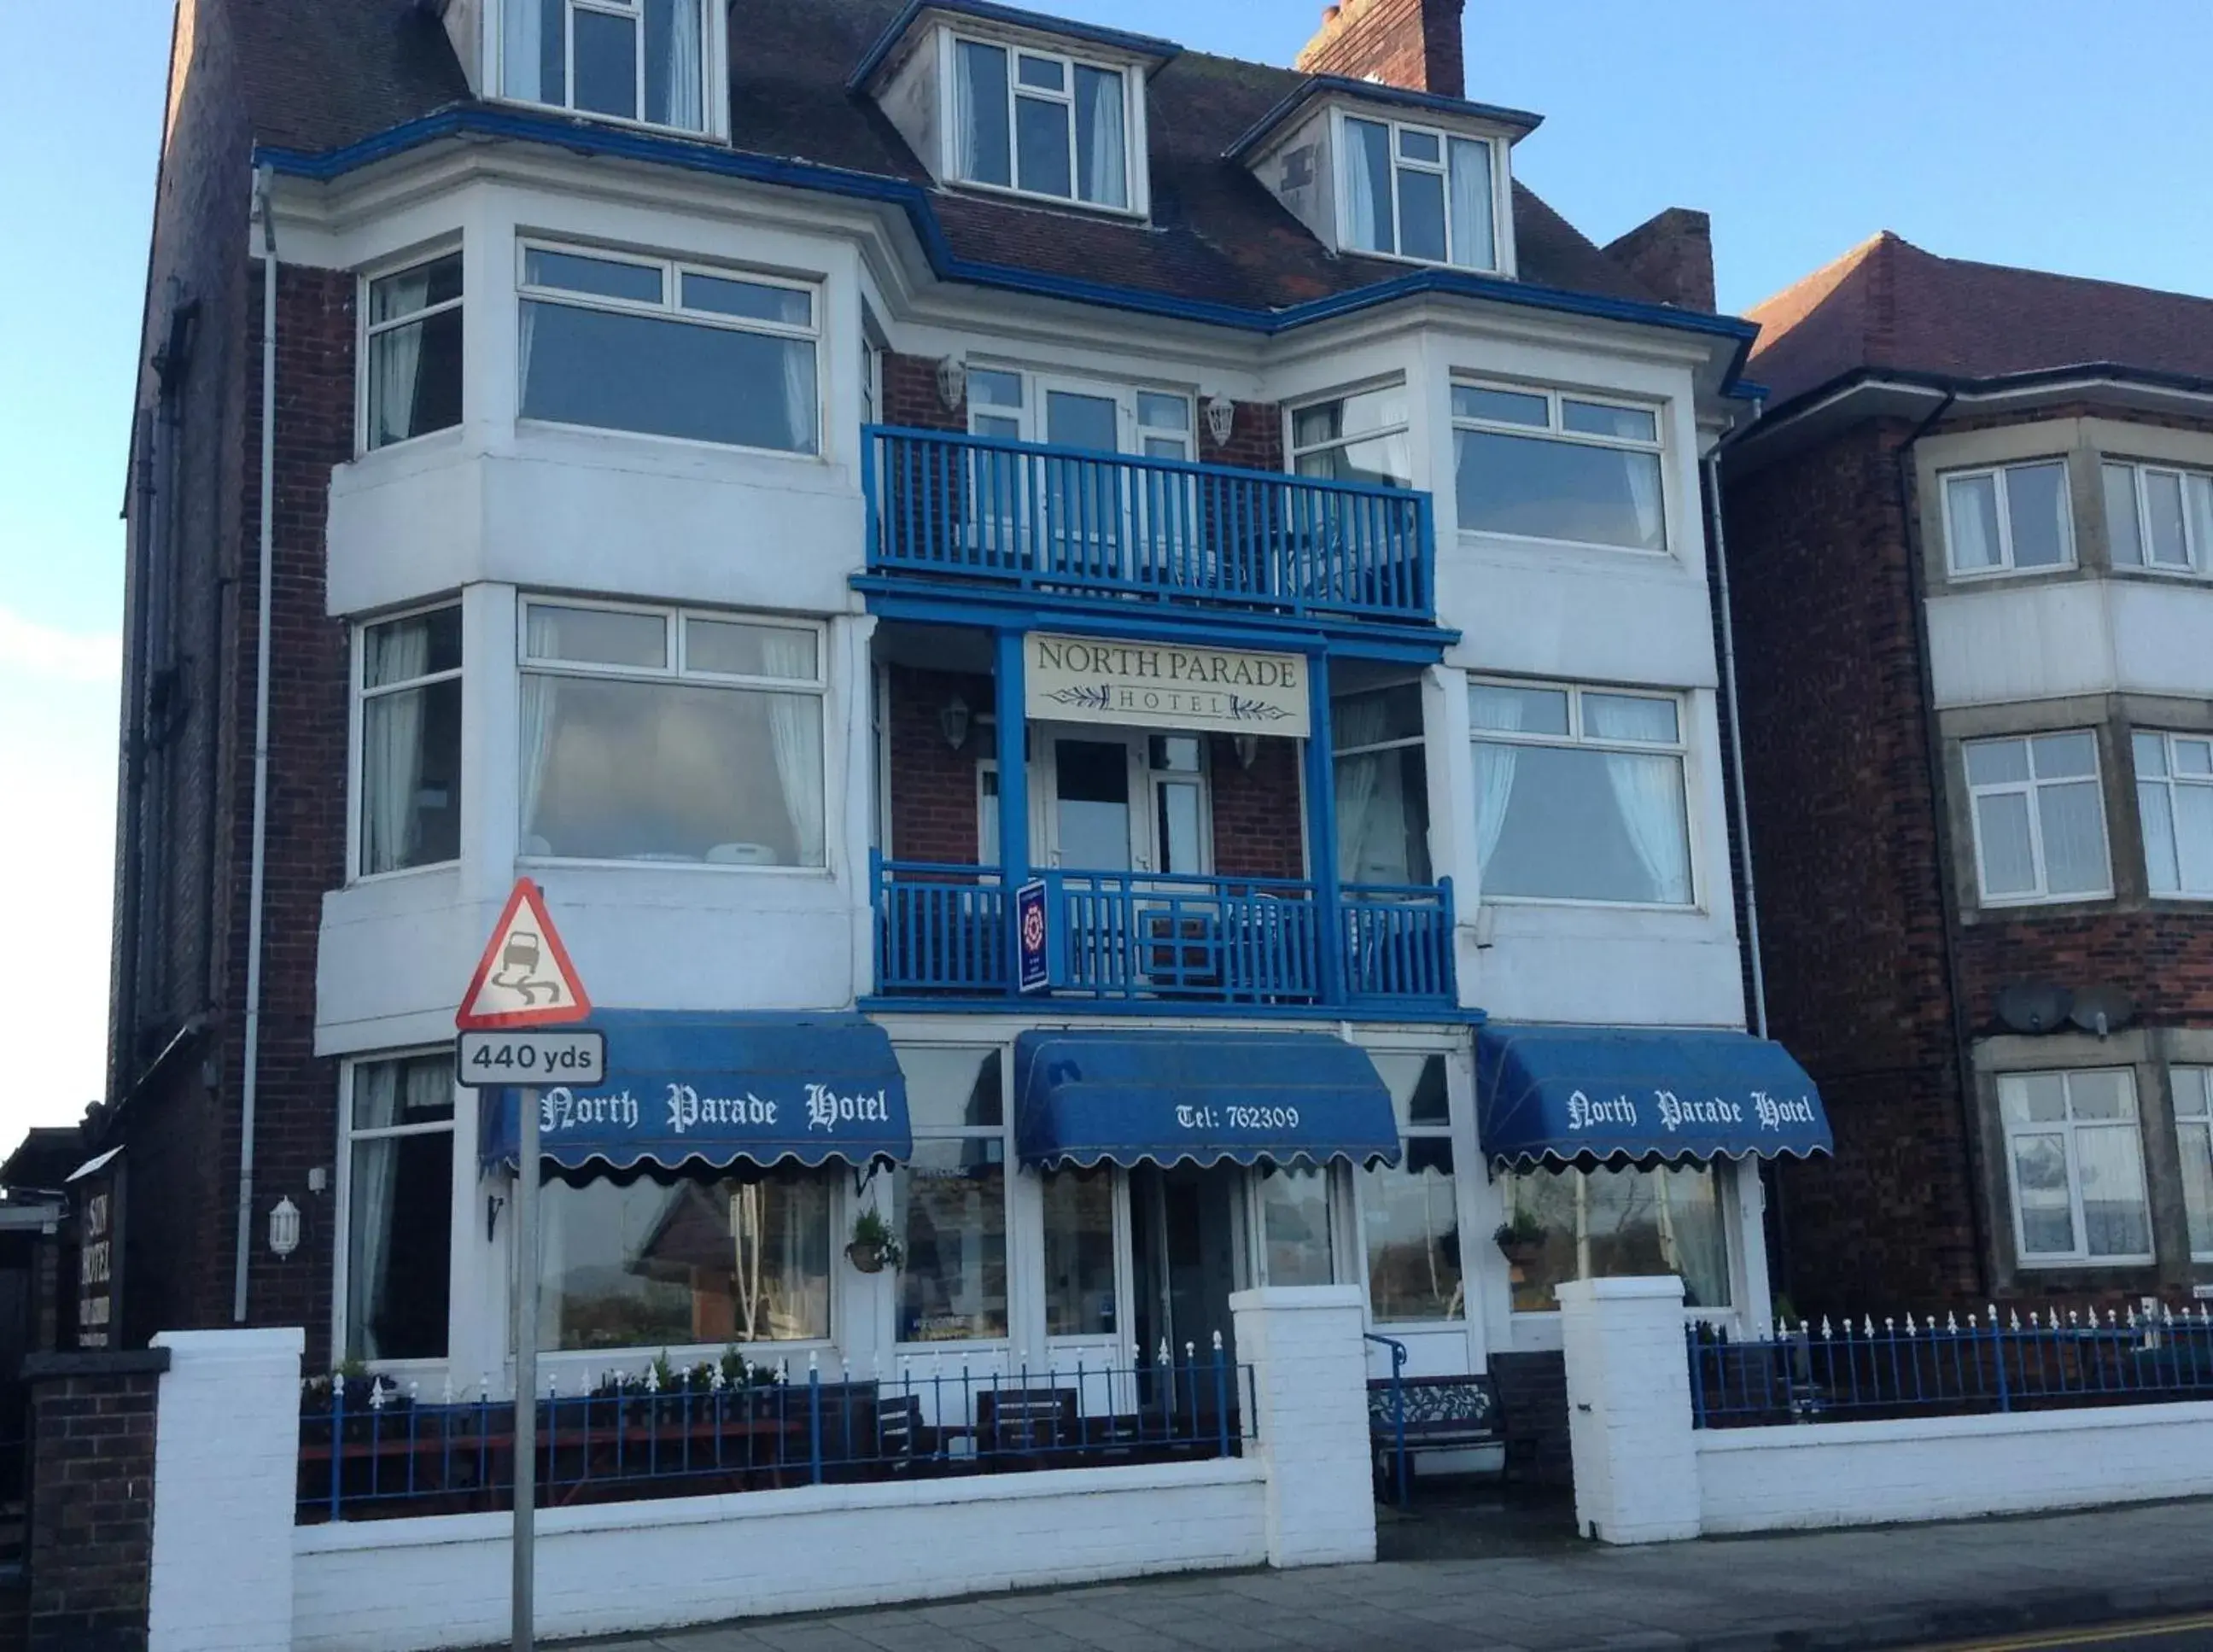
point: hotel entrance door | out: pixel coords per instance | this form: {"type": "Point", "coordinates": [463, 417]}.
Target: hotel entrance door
{"type": "Point", "coordinates": [1185, 1247]}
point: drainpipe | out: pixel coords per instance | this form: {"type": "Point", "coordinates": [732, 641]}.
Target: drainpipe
{"type": "Point", "coordinates": [249, 1082]}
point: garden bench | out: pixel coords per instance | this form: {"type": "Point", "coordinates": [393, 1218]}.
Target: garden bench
{"type": "Point", "coordinates": [1442, 1413]}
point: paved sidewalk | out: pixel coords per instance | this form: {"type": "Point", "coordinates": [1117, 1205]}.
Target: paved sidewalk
{"type": "Point", "coordinates": [1893, 1586]}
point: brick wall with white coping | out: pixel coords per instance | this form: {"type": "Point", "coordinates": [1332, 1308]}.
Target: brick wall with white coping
{"type": "Point", "coordinates": [226, 1463]}
{"type": "Point", "coordinates": [1951, 1468]}
{"type": "Point", "coordinates": [1310, 1369]}
{"type": "Point", "coordinates": [1629, 1410]}
{"type": "Point", "coordinates": [1643, 1472]}
{"type": "Point", "coordinates": [413, 1585]}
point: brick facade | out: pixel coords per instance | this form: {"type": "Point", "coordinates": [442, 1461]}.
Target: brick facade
{"type": "Point", "coordinates": [91, 1512]}
{"type": "Point", "coordinates": [910, 394]}
{"type": "Point", "coordinates": [1415, 44]}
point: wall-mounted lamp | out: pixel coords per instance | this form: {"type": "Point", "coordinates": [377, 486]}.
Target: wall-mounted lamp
{"type": "Point", "coordinates": [1220, 419]}
{"type": "Point", "coordinates": [284, 1227]}
{"type": "Point", "coordinates": [493, 1204]}
{"type": "Point", "coordinates": [951, 382]}
{"type": "Point", "coordinates": [1247, 748]}
{"type": "Point", "coordinates": [952, 720]}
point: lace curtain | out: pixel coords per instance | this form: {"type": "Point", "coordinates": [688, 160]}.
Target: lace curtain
{"type": "Point", "coordinates": [794, 722]}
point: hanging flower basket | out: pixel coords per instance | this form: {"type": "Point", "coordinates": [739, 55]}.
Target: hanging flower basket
{"type": "Point", "coordinates": [868, 1258]}
{"type": "Point", "coordinates": [1522, 1244]}
{"type": "Point", "coordinates": [874, 1247]}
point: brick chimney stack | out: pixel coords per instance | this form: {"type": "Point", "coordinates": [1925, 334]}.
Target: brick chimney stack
{"type": "Point", "coordinates": [1673, 253]}
{"type": "Point", "coordinates": [1412, 43]}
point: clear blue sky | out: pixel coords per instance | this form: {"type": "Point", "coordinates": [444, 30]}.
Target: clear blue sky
{"type": "Point", "coordinates": [2054, 134]}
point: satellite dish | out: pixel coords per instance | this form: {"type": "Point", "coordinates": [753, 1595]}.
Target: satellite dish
{"type": "Point", "coordinates": [2033, 1006]}
{"type": "Point", "coordinates": [2102, 1010]}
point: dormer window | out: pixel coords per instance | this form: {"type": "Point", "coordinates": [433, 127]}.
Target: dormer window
{"type": "Point", "coordinates": [1416, 192]}
{"type": "Point", "coordinates": [1040, 124]}
{"type": "Point", "coordinates": [637, 60]}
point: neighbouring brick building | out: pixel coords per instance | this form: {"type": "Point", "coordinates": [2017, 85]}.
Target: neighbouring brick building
{"type": "Point", "coordinates": [1970, 554]}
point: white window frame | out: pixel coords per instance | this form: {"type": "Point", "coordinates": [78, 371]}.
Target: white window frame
{"type": "Point", "coordinates": [1447, 1133]}
{"type": "Point", "coordinates": [1019, 1232]}
{"type": "Point", "coordinates": [342, 1204]}
{"type": "Point", "coordinates": [1680, 749]}
{"type": "Point", "coordinates": [1134, 145]}
{"type": "Point", "coordinates": [2200, 1112]}
{"type": "Point", "coordinates": [714, 119]}
{"type": "Point", "coordinates": [2042, 895]}
{"type": "Point", "coordinates": [677, 670]}
{"type": "Point", "coordinates": [367, 332]}
{"type": "Point", "coordinates": [671, 308]}
{"type": "Point", "coordinates": [2067, 1129]}
{"type": "Point", "coordinates": [2200, 563]}
{"type": "Point", "coordinates": [357, 752]}
{"type": "Point", "coordinates": [1293, 452]}
{"type": "Point", "coordinates": [1996, 474]}
{"type": "Point", "coordinates": [2171, 784]}
{"type": "Point", "coordinates": [1501, 189]}
{"type": "Point", "coordinates": [1556, 430]}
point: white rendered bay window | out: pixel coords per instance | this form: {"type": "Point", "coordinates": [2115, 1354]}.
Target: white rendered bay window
{"type": "Point", "coordinates": [2174, 799]}
{"type": "Point", "coordinates": [2074, 1162]}
{"type": "Point", "coordinates": [2158, 517]}
{"type": "Point", "coordinates": [1362, 435]}
{"type": "Point", "coordinates": [1415, 192]}
{"type": "Point", "coordinates": [2193, 1126]}
{"type": "Point", "coordinates": [1539, 464]}
{"type": "Point", "coordinates": [641, 60]}
{"type": "Point", "coordinates": [949, 1200]}
{"type": "Point", "coordinates": [652, 735]}
{"type": "Point", "coordinates": [397, 1158]}
{"type": "Point", "coordinates": [1040, 124]}
{"type": "Point", "coordinates": [412, 351]}
{"type": "Point", "coordinates": [2012, 519]}
{"type": "Point", "coordinates": [662, 347]}
{"type": "Point", "coordinates": [2039, 816]}
{"type": "Point", "coordinates": [407, 740]}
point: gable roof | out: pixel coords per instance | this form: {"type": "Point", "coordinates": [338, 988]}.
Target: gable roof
{"type": "Point", "coordinates": [1888, 306]}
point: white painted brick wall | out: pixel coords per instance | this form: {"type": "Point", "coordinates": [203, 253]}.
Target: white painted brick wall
{"type": "Point", "coordinates": [226, 1456]}
{"type": "Point", "coordinates": [414, 1585]}
{"type": "Point", "coordinates": [1310, 1377]}
{"type": "Point", "coordinates": [1951, 1468]}
{"type": "Point", "coordinates": [1629, 1410]}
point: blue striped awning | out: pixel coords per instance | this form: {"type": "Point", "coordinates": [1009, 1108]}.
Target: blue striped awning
{"type": "Point", "coordinates": [1595, 1094]}
{"type": "Point", "coordinates": [720, 1090]}
{"type": "Point", "coordinates": [1125, 1098]}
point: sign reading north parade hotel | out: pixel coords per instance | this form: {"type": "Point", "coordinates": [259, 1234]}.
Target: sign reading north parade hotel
{"type": "Point", "coordinates": [1165, 685]}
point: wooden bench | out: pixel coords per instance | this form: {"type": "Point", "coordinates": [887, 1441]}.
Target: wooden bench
{"type": "Point", "coordinates": [1442, 1413]}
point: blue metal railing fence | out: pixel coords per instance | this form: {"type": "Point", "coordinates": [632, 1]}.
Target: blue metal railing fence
{"type": "Point", "coordinates": [1037, 516]}
{"type": "Point", "coordinates": [370, 1449]}
{"type": "Point", "coordinates": [944, 929]}
{"type": "Point", "coordinates": [1401, 1479]}
{"type": "Point", "coordinates": [1987, 1362]}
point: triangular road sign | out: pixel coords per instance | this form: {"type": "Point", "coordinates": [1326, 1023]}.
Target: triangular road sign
{"type": "Point", "coordinates": [525, 977]}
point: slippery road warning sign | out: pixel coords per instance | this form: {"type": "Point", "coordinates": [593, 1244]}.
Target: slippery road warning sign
{"type": "Point", "coordinates": [525, 977]}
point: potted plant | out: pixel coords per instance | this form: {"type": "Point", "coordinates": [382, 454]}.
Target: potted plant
{"type": "Point", "coordinates": [873, 1245]}
{"type": "Point", "coordinates": [1522, 1238]}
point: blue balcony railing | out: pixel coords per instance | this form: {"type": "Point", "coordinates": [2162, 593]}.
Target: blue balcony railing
{"type": "Point", "coordinates": [945, 930]}
{"type": "Point", "coordinates": [1071, 521]}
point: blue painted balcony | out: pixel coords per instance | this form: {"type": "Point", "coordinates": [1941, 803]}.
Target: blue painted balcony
{"type": "Point", "coordinates": [944, 931]}
{"type": "Point", "coordinates": [1041, 521]}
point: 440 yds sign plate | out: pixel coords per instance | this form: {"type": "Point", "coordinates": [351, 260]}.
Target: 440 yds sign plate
{"type": "Point", "coordinates": [527, 1055]}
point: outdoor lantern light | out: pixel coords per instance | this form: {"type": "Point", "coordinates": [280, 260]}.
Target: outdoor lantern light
{"type": "Point", "coordinates": [952, 720]}
{"type": "Point", "coordinates": [1221, 415]}
{"type": "Point", "coordinates": [284, 1227]}
{"type": "Point", "coordinates": [951, 382]}
{"type": "Point", "coordinates": [1248, 750]}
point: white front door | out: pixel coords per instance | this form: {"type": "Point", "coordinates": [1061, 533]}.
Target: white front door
{"type": "Point", "coordinates": [1116, 801]}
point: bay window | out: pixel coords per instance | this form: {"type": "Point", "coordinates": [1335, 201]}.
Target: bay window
{"type": "Point", "coordinates": [2160, 518]}
{"type": "Point", "coordinates": [396, 1147]}
{"type": "Point", "coordinates": [2039, 817]}
{"type": "Point", "coordinates": [644, 60]}
{"type": "Point", "coordinates": [2175, 798]}
{"type": "Point", "coordinates": [1361, 436]}
{"type": "Point", "coordinates": [671, 735]}
{"type": "Point", "coordinates": [2193, 1127]}
{"type": "Point", "coordinates": [1298, 1242]}
{"type": "Point", "coordinates": [2076, 1166]}
{"type": "Point", "coordinates": [408, 741]}
{"type": "Point", "coordinates": [2009, 519]}
{"type": "Point", "coordinates": [1040, 124]}
{"type": "Point", "coordinates": [669, 1260]}
{"type": "Point", "coordinates": [1409, 1212]}
{"type": "Point", "coordinates": [1617, 1222]}
{"type": "Point", "coordinates": [949, 1201]}
{"type": "Point", "coordinates": [1579, 795]}
{"type": "Point", "coordinates": [1539, 464]}
{"type": "Point", "coordinates": [1382, 787]}
{"type": "Point", "coordinates": [1416, 192]}
{"type": "Point", "coordinates": [412, 343]}
{"type": "Point", "coordinates": [662, 347]}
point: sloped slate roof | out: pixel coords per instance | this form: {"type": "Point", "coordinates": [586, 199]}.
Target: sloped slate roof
{"type": "Point", "coordinates": [1889, 306]}
{"type": "Point", "coordinates": [321, 74]}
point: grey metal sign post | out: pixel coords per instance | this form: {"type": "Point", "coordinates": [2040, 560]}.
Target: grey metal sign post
{"type": "Point", "coordinates": [526, 1370]}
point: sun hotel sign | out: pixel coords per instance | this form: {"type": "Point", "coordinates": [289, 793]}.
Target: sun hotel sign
{"type": "Point", "coordinates": [1163, 686]}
